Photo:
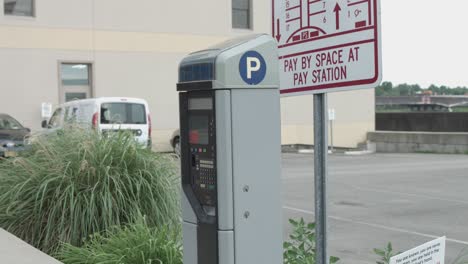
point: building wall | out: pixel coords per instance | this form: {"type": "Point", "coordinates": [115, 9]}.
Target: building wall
{"type": "Point", "coordinates": [355, 116]}
{"type": "Point", "coordinates": [135, 48]}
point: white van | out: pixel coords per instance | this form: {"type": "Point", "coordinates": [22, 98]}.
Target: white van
{"type": "Point", "coordinates": [107, 115]}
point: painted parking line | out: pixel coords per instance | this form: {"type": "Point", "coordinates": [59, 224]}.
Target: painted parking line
{"type": "Point", "coordinates": [388, 228]}
{"type": "Point", "coordinates": [376, 190]}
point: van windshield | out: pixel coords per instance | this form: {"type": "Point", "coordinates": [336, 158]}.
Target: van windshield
{"type": "Point", "coordinates": [123, 113]}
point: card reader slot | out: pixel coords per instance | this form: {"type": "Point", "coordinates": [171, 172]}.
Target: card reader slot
{"type": "Point", "coordinates": [194, 160]}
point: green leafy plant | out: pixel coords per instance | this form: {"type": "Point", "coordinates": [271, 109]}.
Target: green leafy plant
{"type": "Point", "coordinates": [77, 183]}
{"type": "Point", "coordinates": [301, 247]}
{"type": "Point", "coordinates": [133, 244]}
{"type": "Point", "coordinates": [386, 254]}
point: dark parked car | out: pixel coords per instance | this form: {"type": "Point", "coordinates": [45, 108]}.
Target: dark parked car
{"type": "Point", "coordinates": [12, 136]}
{"type": "Point", "coordinates": [175, 141]}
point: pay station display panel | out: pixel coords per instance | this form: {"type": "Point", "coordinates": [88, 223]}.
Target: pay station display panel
{"type": "Point", "coordinates": [201, 144]}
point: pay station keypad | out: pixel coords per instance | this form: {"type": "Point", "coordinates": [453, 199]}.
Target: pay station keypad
{"type": "Point", "coordinates": [207, 174]}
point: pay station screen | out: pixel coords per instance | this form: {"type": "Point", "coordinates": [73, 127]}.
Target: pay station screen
{"type": "Point", "coordinates": [198, 129]}
{"type": "Point", "coordinates": [198, 123]}
{"type": "Point", "coordinates": [204, 103]}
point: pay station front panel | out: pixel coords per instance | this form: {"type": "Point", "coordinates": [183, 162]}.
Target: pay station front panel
{"type": "Point", "coordinates": [198, 128]}
{"type": "Point", "coordinates": [199, 168]}
{"type": "Point", "coordinates": [201, 138]}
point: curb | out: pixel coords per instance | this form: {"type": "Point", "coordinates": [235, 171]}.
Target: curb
{"type": "Point", "coordinates": [311, 151]}
{"type": "Point", "coordinates": [359, 153]}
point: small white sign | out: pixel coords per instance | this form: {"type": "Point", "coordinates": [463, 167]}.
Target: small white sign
{"type": "Point", "coordinates": [430, 253]}
{"type": "Point", "coordinates": [331, 114]}
{"type": "Point", "coordinates": [46, 110]}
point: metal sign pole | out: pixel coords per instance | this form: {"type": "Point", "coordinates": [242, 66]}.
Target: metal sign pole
{"type": "Point", "coordinates": [320, 167]}
{"type": "Point", "coordinates": [331, 136]}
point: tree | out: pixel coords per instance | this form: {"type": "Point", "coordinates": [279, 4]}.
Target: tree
{"type": "Point", "coordinates": [444, 90]}
{"type": "Point", "coordinates": [387, 87]}
{"type": "Point", "coordinates": [435, 90]}
{"type": "Point", "coordinates": [414, 89]}
{"type": "Point", "coordinates": [404, 89]}
{"type": "Point", "coordinates": [384, 89]}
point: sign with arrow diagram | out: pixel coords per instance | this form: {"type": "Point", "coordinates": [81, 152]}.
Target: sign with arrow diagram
{"type": "Point", "coordinates": [327, 45]}
{"type": "Point", "coordinates": [337, 10]}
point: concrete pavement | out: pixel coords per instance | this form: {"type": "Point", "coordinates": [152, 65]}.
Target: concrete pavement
{"type": "Point", "coordinates": [15, 251]}
{"type": "Point", "coordinates": [407, 199]}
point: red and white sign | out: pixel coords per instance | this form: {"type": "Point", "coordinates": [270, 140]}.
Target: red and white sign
{"type": "Point", "coordinates": [327, 45]}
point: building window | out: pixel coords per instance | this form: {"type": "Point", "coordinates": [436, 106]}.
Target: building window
{"type": "Point", "coordinates": [19, 7]}
{"type": "Point", "coordinates": [74, 96]}
{"type": "Point", "coordinates": [241, 14]}
{"type": "Point", "coordinates": [75, 81]}
{"type": "Point", "coordinates": [75, 74]}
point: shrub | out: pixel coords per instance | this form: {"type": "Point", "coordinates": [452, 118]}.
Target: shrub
{"type": "Point", "coordinates": [77, 183]}
{"type": "Point", "coordinates": [301, 248]}
{"type": "Point", "coordinates": [385, 254]}
{"type": "Point", "coordinates": [134, 244]}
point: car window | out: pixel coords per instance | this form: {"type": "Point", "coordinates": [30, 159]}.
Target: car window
{"type": "Point", "coordinates": [67, 115]}
{"type": "Point", "coordinates": [123, 113]}
{"type": "Point", "coordinates": [56, 119]}
{"type": "Point", "coordinates": [8, 123]}
{"type": "Point", "coordinates": [71, 114]}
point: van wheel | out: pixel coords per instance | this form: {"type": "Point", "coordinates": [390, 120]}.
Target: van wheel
{"type": "Point", "coordinates": [177, 146]}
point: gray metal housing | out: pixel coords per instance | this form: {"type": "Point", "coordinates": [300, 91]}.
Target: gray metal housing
{"type": "Point", "coordinates": [225, 57]}
{"type": "Point", "coordinates": [248, 147]}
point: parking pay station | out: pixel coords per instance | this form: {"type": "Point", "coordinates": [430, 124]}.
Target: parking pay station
{"type": "Point", "coordinates": [230, 153]}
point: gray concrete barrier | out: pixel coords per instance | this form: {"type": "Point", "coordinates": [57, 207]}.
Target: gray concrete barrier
{"type": "Point", "coordinates": [430, 142]}
{"type": "Point", "coordinates": [15, 251]}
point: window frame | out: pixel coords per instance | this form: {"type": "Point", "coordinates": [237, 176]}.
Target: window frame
{"type": "Point", "coordinates": [33, 11]}
{"type": "Point", "coordinates": [59, 115]}
{"type": "Point", "coordinates": [250, 20]}
{"type": "Point", "coordinates": [129, 110]}
{"type": "Point", "coordinates": [64, 89]}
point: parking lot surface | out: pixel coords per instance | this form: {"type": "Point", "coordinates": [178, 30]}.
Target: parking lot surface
{"type": "Point", "coordinates": [406, 199]}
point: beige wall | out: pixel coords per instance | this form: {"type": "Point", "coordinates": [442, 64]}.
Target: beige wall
{"type": "Point", "coordinates": [135, 48]}
{"type": "Point", "coordinates": [207, 17]}
{"type": "Point", "coordinates": [28, 78]}
{"type": "Point", "coordinates": [151, 76]}
{"type": "Point", "coordinates": [355, 116]}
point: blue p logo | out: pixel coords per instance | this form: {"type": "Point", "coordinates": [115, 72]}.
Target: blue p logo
{"type": "Point", "coordinates": [252, 67]}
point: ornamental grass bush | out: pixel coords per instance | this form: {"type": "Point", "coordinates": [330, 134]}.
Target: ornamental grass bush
{"type": "Point", "coordinates": [77, 183]}
{"type": "Point", "coordinates": [134, 244]}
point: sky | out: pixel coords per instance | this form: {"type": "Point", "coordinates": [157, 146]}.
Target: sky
{"type": "Point", "coordinates": [425, 42]}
